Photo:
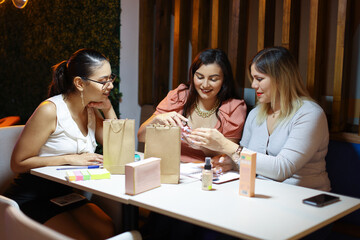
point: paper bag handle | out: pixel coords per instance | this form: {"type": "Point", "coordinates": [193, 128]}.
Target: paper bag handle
{"type": "Point", "coordinates": [120, 125]}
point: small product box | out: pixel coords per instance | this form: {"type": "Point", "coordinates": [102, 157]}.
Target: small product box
{"type": "Point", "coordinates": [247, 173]}
{"type": "Point", "coordinates": [142, 175]}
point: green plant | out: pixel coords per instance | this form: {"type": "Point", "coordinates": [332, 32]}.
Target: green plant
{"type": "Point", "coordinates": [44, 33]}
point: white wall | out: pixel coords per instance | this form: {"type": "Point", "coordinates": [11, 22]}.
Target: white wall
{"type": "Point", "coordinates": [129, 59]}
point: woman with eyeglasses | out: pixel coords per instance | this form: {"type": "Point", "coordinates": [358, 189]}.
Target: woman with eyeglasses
{"type": "Point", "coordinates": [64, 130]}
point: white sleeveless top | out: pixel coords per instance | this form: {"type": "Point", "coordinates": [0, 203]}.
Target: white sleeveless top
{"type": "Point", "coordinates": [67, 138]}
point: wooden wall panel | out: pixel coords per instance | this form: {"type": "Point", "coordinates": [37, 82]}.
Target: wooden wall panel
{"type": "Point", "coordinates": [290, 26]}
{"type": "Point", "coordinates": [338, 97]}
{"type": "Point", "coordinates": [162, 50]}
{"type": "Point", "coordinates": [214, 43]}
{"type": "Point", "coordinates": [315, 52]}
{"type": "Point", "coordinates": [200, 26]}
{"type": "Point", "coordinates": [197, 4]}
{"type": "Point", "coordinates": [224, 24]}
{"type": "Point", "coordinates": [146, 36]}
{"type": "Point", "coordinates": [219, 24]}
{"type": "Point", "coordinates": [181, 41]}
{"type": "Point", "coordinates": [237, 42]}
{"type": "Point", "coordinates": [266, 24]}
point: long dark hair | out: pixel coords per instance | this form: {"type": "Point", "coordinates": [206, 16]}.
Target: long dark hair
{"type": "Point", "coordinates": [81, 63]}
{"type": "Point", "coordinates": [227, 91]}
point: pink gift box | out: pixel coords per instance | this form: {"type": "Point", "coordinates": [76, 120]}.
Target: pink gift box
{"type": "Point", "coordinates": [142, 176]}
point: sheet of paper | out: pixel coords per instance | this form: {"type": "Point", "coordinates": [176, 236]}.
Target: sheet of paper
{"type": "Point", "coordinates": [194, 170]}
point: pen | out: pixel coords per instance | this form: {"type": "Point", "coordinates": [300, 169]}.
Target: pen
{"type": "Point", "coordinates": [73, 168]}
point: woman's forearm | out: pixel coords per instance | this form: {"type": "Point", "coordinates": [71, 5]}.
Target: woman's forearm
{"type": "Point", "coordinates": [21, 166]}
{"type": "Point", "coordinates": [109, 113]}
{"type": "Point", "coordinates": [229, 147]}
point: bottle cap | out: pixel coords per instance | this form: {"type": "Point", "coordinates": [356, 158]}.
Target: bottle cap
{"type": "Point", "coordinates": [207, 163]}
{"type": "Point", "coordinates": [137, 157]}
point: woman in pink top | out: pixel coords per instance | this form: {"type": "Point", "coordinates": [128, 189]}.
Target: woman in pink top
{"type": "Point", "coordinates": [206, 100]}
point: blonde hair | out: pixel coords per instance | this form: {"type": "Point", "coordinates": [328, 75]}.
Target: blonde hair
{"type": "Point", "coordinates": [286, 82]}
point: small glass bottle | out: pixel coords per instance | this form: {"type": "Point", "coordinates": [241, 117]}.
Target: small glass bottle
{"type": "Point", "coordinates": [207, 175]}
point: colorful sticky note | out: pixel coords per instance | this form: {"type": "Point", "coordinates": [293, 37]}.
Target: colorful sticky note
{"type": "Point", "coordinates": [70, 175]}
{"type": "Point", "coordinates": [99, 173]}
{"type": "Point", "coordinates": [85, 173]}
{"type": "Point", "coordinates": [78, 175]}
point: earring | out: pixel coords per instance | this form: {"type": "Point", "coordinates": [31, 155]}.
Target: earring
{"type": "Point", "coordinates": [82, 98]}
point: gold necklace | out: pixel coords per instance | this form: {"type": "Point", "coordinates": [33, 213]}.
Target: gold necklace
{"type": "Point", "coordinates": [206, 114]}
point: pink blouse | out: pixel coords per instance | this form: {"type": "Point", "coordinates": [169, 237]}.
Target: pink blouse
{"type": "Point", "coordinates": [232, 114]}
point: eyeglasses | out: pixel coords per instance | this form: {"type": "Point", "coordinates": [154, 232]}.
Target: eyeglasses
{"type": "Point", "coordinates": [106, 83]}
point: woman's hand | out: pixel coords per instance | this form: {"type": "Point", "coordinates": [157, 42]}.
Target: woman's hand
{"type": "Point", "coordinates": [108, 111]}
{"type": "Point", "coordinates": [170, 119]}
{"type": "Point", "coordinates": [222, 163]}
{"type": "Point", "coordinates": [185, 138]}
{"type": "Point", "coordinates": [209, 138]}
{"type": "Point", "coordinates": [104, 105]}
{"type": "Point", "coordinates": [85, 159]}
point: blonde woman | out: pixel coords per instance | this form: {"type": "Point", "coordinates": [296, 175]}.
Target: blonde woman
{"type": "Point", "coordinates": [287, 129]}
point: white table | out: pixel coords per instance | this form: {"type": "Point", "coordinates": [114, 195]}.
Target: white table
{"type": "Point", "coordinates": [113, 188]}
{"type": "Point", "coordinates": [276, 211]}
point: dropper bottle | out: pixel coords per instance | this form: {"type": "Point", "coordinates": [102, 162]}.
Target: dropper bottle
{"type": "Point", "coordinates": [207, 175]}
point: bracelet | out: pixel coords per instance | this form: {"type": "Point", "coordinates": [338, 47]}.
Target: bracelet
{"type": "Point", "coordinates": [239, 149]}
{"type": "Point", "coordinates": [236, 155]}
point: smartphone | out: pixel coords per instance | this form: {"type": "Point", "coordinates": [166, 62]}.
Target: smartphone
{"type": "Point", "coordinates": [321, 200]}
{"type": "Point", "coordinates": [67, 199]}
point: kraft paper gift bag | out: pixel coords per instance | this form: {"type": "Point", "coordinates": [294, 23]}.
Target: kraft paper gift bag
{"type": "Point", "coordinates": [118, 144]}
{"type": "Point", "coordinates": [164, 142]}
